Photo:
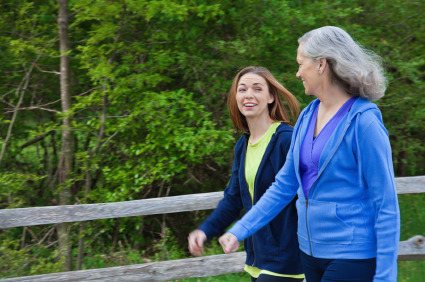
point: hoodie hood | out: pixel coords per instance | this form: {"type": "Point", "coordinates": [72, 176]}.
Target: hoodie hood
{"type": "Point", "coordinates": [361, 105]}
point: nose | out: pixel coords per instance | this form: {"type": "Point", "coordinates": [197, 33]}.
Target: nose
{"type": "Point", "coordinates": [248, 93]}
{"type": "Point", "coordinates": [298, 74]}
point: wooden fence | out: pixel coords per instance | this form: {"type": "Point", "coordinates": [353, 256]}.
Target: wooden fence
{"type": "Point", "coordinates": [412, 249]}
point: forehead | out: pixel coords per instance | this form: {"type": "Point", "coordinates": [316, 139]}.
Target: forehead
{"type": "Point", "coordinates": [300, 54]}
{"type": "Point", "coordinates": [251, 78]}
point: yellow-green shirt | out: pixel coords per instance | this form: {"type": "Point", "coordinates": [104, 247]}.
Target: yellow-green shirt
{"type": "Point", "coordinates": [254, 155]}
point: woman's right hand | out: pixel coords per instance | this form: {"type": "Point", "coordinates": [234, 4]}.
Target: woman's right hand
{"type": "Point", "coordinates": [229, 242]}
{"type": "Point", "coordinates": [196, 240]}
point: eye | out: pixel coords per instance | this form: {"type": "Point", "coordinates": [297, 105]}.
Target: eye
{"type": "Point", "coordinates": [258, 89]}
{"type": "Point", "coordinates": [241, 90]}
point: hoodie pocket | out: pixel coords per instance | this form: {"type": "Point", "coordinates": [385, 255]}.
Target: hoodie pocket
{"type": "Point", "coordinates": [324, 224]}
{"type": "Point", "coordinates": [265, 242]}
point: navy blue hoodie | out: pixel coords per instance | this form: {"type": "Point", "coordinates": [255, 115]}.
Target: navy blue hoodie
{"type": "Point", "coordinates": [275, 246]}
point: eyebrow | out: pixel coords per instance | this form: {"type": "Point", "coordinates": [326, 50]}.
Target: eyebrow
{"type": "Point", "coordinates": [257, 83]}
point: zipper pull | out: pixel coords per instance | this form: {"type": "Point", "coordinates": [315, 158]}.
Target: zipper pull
{"type": "Point", "coordinates": [306, 203]}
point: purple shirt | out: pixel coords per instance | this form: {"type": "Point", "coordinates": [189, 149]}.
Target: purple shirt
{"type": "Point", "coordinates": [312, 147]}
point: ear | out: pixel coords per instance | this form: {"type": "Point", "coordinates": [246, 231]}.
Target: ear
{"type": "Point", "coordinates": [271, 99]}
{"type": "Point", "coordinates": [322, 65]}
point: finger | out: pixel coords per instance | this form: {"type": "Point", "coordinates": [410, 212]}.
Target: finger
{"type": "Point", "coordinates": [229, 248]}
{"type": "Point", "coordinates": [194, 248]}
{"type": "Point", "coordinates": [191, 240]}
{"type": "Point", "coordinates": [198, 241]}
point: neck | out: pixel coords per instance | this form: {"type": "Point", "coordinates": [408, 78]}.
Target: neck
{"type": "Point", "coordinates": [329, 105]}
{"type": "Point", "coordinates": [258, 127]}
{"type": "Point", "coordinates": [333, 97]}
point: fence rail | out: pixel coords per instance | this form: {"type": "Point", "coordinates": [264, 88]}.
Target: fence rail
{"type": "Point", "coordinates": [412, 249]}
{"type": "Point", "coordinates": [193, 202]}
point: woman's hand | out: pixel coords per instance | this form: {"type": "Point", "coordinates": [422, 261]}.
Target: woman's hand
{"type": "Point", "coordinates": [229, 242]}
{"type": "Point", "coordinates": [196, 240]}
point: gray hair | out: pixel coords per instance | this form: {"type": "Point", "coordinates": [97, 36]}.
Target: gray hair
{"type": "Point", "coordinates": [358, 70]}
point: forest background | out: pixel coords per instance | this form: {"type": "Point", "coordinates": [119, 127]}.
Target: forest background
{"type": "Point", "coordinates": [106, 101]}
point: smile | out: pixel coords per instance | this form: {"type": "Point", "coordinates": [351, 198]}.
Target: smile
{"type": "Point", "coordinates": [249, 105]}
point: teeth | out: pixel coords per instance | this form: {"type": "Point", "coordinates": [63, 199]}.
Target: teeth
{"type": "Point", "coordinates": [249, 105]}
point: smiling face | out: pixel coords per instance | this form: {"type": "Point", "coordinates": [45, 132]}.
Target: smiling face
{"type": "Point", "coordinates": [253, 96]}
{"type": "Point", "coordinates": [308, 71]}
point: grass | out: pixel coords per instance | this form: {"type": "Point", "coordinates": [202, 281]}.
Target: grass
{"type": "Point", "coordinates": [412, 210]}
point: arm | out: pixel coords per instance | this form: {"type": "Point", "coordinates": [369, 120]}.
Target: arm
{"type": "Point", "coordinates": [377, 170]}
{"type": "Point", "coordinates": [280, 193]}
{"type": "Point", "coordinates": [227, 211]}
{"type": "Point", "coordinates": [230, 207]}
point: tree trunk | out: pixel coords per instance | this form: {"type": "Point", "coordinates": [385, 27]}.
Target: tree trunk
{"type": "Point", "coordinates": [65, 163]}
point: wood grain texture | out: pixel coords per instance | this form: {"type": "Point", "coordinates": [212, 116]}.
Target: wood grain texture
{"type": "Point", "coordinates": [410, 185]}
{"type": "Point", "coordinates": [155, 271]}
{"type": "Point", "coordinates": [412, 249]}
{"type": "Point", "coordinates": [73, 213]}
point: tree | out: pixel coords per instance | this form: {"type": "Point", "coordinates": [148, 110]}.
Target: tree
{"type": "Point", "coordinates": [65, 167]}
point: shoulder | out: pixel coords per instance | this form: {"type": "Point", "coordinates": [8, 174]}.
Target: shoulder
{"type": "Point", "coordinates": [284, 133]}
{"type": "Point", "coordinates": [284, 129]}
{"type": "Point", "coordinates": [370, 126]}
{"type": "Point", "coordinates": [310, 107]}
{"type": "Point", "coordinates": [365, 111]}
{"type": "Point", "coordinates": [370, 117]}
{"type": "Point", "coordinates": [307, 111]}
{"type": "Point", "coordinates": [240, 144]}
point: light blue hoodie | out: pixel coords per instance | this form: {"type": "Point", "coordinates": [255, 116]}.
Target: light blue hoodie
{"type": "Point", "coordinates": [352, 209]}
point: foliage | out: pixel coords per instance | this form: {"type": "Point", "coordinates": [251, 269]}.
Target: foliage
{"type": "Point", "coordinates": [14, 188]}
{"type": "Point", "coordinates": [18, 261]}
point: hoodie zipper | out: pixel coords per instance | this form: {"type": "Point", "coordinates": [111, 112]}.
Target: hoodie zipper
{"type": "Point", "coordinates": [252, 201]}
{"type": "Point", "coordinates": [253, 194]}
{"type": "Point", "coordinates": [320, 173]}
{"type": "Point", "coordinates": [252, 236]}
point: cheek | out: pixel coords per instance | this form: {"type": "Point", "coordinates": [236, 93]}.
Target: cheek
{"type": "Point", "coordinates": [239, 102]}
{"type": "Point", "coordinates": [238, 98]}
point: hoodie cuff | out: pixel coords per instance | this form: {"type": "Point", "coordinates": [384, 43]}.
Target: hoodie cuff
{"type": "Point", "coordinates": [240, 231]}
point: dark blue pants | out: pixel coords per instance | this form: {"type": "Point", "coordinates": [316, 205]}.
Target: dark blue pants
{"type": "Point", "coordinates": [326, 270]}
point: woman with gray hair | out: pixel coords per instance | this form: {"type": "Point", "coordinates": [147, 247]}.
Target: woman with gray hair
{"type": "Point", "coordinates": [339, 165]}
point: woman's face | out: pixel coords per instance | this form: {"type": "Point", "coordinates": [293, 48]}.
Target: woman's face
{"type": "Point", "coordinates": [308, 71]}
{"type": "Point", "coordinates": [253, 96]}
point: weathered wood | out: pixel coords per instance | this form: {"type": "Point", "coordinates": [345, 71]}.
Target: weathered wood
{"type": "Point", "coordinates": [411, 184]}
{"type": "Point", "coordinates": [72, 213]}
{"type": "Point", "coordinates": [156, 271]}
{"type": "Point", "coordinates": [412, 249]}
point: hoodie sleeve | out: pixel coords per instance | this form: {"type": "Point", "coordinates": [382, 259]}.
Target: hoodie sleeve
{"type": "Point", "coordinates": [230, 207]}
{"type": "Point", "coordinates": [378, 173]}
